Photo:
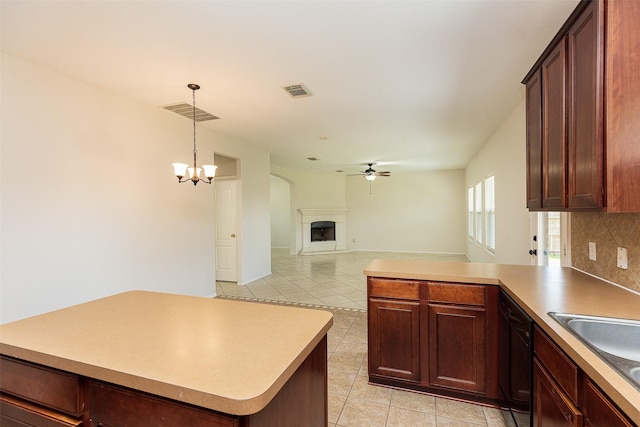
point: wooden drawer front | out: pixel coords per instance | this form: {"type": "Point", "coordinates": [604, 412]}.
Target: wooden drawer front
{"type": "Point", "coordinates": [402, 289]}
{"type": "Point", "coordinates": [18, 413]}
{"type": "Point", "coordinates": [45, 386]}
{"type": "Point", "coordinates": [113, 406]}
{"type": "Point", "coordinates": [457, 293]}
{"type": "Point", "coordinates": [598, 410]}
{"type": "Point", "coordinates": [565, 372]}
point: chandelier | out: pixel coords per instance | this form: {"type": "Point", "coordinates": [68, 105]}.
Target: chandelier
{"type": "Point", "coordinates": [194, 172]}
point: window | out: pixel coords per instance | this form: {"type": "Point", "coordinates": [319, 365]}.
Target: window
{"type": "Point", "coordinates": [490, 213]}
{"type": "Point", "coordinates": [470, 205]}
{"type": "Point", "coordinates": [478, 212]}
{"type": "Point", "coordinates": [481, 213]}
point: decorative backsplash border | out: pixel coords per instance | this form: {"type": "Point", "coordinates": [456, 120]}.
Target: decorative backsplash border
{"type": "Point", "coordinates": [608, 231]}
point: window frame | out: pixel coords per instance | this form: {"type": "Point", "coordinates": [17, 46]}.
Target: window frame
{"type": "Point", "coordinates": [490, 213]}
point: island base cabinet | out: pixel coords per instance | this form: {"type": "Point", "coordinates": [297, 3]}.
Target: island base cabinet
{"type": "Point", "coordinates": [50, 388]}
{"type": "Point", "coordinates": [19, 413]}
{"type": "Point", "coordinates": [302, 401]}
{"type": "Point", "coordinates": [551, 406]}
{"type": "Point", "coordinates": [113, 406]}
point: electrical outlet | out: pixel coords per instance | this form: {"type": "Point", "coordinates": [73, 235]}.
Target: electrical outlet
{"type": "Point", "coordinates": [622, 258]}
{"type": "Point", "coordinates": [592, 251]}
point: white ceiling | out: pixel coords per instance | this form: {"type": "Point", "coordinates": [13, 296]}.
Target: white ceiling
{"type": "Point", "coordinates": [411, 85]}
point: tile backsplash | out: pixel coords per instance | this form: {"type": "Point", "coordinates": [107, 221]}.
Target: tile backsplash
{"type": "Point", "coordinates": [608, 232]}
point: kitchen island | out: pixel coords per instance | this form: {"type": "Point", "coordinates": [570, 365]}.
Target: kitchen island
{"type": "Point", "coordinates": [223, 362]}
{"type": "Point", "coordinates": [537, 290]}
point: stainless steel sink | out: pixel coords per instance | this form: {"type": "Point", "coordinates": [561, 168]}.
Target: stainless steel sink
{"type": "Point", "coordinates": [616, 341]}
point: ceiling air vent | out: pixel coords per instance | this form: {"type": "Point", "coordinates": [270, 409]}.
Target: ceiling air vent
{"type": "Point", "coordinates": [297, 91]}
{"type": "Point", "coordinates": [186, 110]}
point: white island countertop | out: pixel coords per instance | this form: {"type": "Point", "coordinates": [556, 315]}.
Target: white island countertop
{"type": "Point", "coordinates": [229, 356]}
{"type": "Point", "coordinates": [540, 290]}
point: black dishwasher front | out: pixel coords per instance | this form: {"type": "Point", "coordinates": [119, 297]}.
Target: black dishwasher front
{"type": "Point", "coordinates": [516, 362]}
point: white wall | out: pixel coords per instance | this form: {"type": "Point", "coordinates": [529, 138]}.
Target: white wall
{"type": "Point", "coordinates": [89, 203]}
{"type": "Point", "coordinates": [417, 212]}
{"type": "Point", "coordinates": [504, 155]}
{"type": "Point", "coordinates": [413, 212]}
{"type": "Point", "coordinates": [280, 213]}
{"type": "Point", "coordinates": [310, 190]}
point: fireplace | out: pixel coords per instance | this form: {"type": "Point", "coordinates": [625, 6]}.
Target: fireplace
{"type": "Point", "coordinates": [323, 230]}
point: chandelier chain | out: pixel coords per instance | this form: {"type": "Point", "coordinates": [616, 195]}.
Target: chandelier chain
{"type": "Point", "coordinates": [194, 127]}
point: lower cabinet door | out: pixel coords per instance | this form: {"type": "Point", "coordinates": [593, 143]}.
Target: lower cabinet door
{"type": "Point", "coordinates": [19, 413]}
{"type": "Point", "coordinates": [598, 409]}
{"type": "Point", "coordinates": [551, 406]}
{"type": "Point", "coordinates": [457, 350]}
{"type": "Point", "coordinates": [394, 339]}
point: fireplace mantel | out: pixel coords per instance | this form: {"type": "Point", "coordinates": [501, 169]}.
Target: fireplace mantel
{"type": "Point", "coordinates": [312, 215]}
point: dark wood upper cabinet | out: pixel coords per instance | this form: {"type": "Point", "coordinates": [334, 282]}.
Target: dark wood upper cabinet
{"type": "Point", "coordinates": [587, 74]}
{"type": "Point", "coordinates": [623, 106]}
{"type": "Point", "coordinates": [554, 98]}
{"type": "Point", "coordinates": [534, 141]}
{"type": "Point", "coordinates": [585, 132]}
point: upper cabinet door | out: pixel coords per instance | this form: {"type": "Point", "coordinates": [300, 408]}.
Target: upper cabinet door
{"type": "Point", "coordinates": [585, 131]}
{"type": "Point", "coordinates": [534, 141]}
{"type": "Point", "coordinates": [554, 97]}
{"type": "Point", "coordinates": [623, 106]}
{"type": "Point", "coordinates": [590, 107]}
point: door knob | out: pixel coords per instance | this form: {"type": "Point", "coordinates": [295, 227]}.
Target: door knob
{"type": "Point", "coordinates": [233, 234]}
{"type": "Point", "coordinates": [533, 252]}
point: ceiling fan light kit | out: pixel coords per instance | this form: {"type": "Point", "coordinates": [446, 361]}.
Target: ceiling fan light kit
{"type": "Point", "coordinates": [180, 169]}
{"type": "Point", "coordinates": [370, 173]}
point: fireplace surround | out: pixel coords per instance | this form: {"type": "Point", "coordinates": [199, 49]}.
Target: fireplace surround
{"type": "Point", "coordinates": [319, 238]}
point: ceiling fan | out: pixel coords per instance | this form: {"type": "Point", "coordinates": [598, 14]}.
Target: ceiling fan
{"type": "Point", "coordinates": [370, 173]}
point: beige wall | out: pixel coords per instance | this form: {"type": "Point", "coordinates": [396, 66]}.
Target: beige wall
{"type": "Point", "coordinates": [504, 156]}
{"type": "Point", "coordinates": [414, 212]}
{"type": "Point", "coordinates": [89, 203]}
{"type": "Point", "coordinates": [410, 212]}
{"type": "Point", "coordinates": [608, 231]}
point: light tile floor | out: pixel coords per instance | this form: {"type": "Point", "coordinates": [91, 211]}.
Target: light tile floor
{"type": "Point", "coordinates": [336, 282]}
{"type": "Point", "coordinates": [333, 280]}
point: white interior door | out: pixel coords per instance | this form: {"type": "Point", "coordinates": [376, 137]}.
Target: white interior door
{"type": "Point", "coordinates": [226, 233]}
{"type": "Point", "coordinates": [550, 236]}
{"type": "Point", "coordinates": [539, 233]}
